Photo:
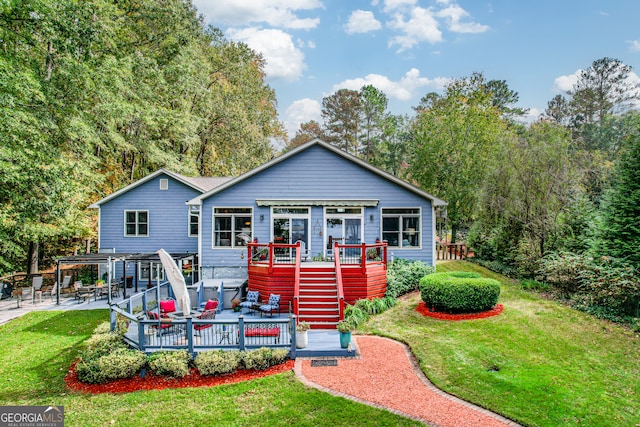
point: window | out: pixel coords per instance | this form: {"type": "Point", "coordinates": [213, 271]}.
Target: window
{"type": "Point", "coordinates": [193, 224]}
{"type": "Point", "coordinates": [164, 184]}
{"type": "Point", "coordinates": [150, 271]}
{"type": "Point", "coordinates": [232, 227]}
{"type": "Point", "coordinates": [136, 223]}
{"type": "Point", "coordinates": [401, 227]}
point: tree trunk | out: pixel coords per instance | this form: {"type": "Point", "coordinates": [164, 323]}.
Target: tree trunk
{"type": "Point", "coordinates": [454, 231]}
{"type": "Point", "coordinates": [34, 249]}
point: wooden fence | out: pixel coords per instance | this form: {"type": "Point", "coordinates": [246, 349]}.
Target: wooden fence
{"type": "Point", "coordinates": [452, 251]}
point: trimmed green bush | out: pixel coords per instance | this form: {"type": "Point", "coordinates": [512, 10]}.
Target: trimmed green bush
{"type": "Point", "coordinates": [217, 362]}
{"type": "Point", "coordinates": [263, 358]}
{"type": "Point", "coordinates": [99, 345]}
{"type": "Point", "coordinates": [173, 364]}
{"type": "Point", "coordinates": [404, 276]}
{"type": "Point", "coordinates": [120, 363]}
{"type": "Point", "coordinates": [459, 292]}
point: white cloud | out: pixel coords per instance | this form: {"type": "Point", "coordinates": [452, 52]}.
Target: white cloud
{"type": "Point", "coordinates": [278, 13]}
{"type": "Point", "coordinates": [634, 45]}
{"type": "Point", "coordinates": [301, 111]}
{"type": "Point", "coordinates": [362, 21]}
{"type": "Point", "coordinates": [390, 5]}
{"type": "Point", "coordinates": [402, 89]}
{"type": "Point", "coordinates": [421, 26]}
{"type": "Point", "coordinates": [284, 60]}
{"type": "Point", "coordinates": [454, 15]}
{"type": "Point", "coordinates": [565, 83]}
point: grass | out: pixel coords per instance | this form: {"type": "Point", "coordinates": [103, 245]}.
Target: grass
{"type": "Point", "coordinates": [539, 362]}
{"type": "Point", "coordinates": [39, 347]}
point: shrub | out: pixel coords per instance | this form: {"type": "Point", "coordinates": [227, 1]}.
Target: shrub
{"type": "Point", "coordinates": [404, 276]}
{"type": "Point", "coordinates": [120, 363]}
{"type": "Point", "coordinates": [102, 328]}
{"type": "Point", "coordinates": [263, 358]}
{"type": "Point", "coordinates": [100, 345]}
{"type": "Point", "coordinates": [217, 362]}
{"type": "Point", "coordinates": [173, 364]}
{"type": "Point", "coordinates": [459, 292]}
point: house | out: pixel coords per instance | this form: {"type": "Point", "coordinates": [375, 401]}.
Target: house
{"type": "Point", "coordinates": [150, 214]}
{"type": "Point", "coordinates": [316, 195]}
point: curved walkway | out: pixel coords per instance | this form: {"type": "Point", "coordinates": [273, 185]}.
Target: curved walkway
{"type": "Point", "coordinates": [387, 376]}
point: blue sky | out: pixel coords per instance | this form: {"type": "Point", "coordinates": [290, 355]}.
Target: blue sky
{"type": "Point", "coordinates": [407, 48]}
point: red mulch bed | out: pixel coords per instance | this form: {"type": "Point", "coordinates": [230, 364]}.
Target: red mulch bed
{"type": "Point", "coordinates": [422, 309]}
{"type": "Point", "coordinates": [154, 382]}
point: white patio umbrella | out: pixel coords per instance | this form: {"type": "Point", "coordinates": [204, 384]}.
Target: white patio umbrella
{"type": "Point", "coordinates": [176, 279]}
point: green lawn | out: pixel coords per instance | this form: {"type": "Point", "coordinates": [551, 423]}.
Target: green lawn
{"type": "Point", "coordinates": [39, 348]}
{"type": "Point", "coordinates": [539, 362]}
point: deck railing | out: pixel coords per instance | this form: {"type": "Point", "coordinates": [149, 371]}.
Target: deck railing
{"type": "Point", "coordinates": [193, 334]}
{"type": "Point", "coordinates": [452, 251]}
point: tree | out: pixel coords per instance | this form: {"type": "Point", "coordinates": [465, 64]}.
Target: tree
{"type": "Point", "coordinates": [308, 131]}
{"type": "Point", "coordinates": [341, 115]}
{"type": "Point", "coordinates": [559, 111]}
{"type": "Point", "coordinates": [453, 138]}
{"type": "Point", "coordinates": [603, 88]}
{"type": "Point", "coordinates": [504, 98]}
{"type": "Point", "coordinates": [373, 104]}
{"type": "Point", "coordinates": [618, 233]}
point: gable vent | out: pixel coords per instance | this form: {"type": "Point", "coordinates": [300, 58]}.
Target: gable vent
{"type": "Point", "coordinates": [164, 184]}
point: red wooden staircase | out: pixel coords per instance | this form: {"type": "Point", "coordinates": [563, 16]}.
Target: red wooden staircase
{"type": "Point", "coordinates": [318, 302]}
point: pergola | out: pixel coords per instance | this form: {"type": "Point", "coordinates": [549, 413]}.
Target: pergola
{"type": "Point", "coordinates": [109, 259]}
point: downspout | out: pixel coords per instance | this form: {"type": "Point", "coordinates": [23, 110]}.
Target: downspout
{"type": "Point", "coordinates": [336, 260]}
{"type": "Point", "coordinates": [296, 281]}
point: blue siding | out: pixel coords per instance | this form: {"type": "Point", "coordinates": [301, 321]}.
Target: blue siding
{"type": "Point", "coordinates": [168, 218]}
{"type": "Point", "coordinates": [315, 173]}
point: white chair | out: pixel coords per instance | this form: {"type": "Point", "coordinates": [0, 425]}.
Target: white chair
{"type": "Point", "coordinates": [304, 253]}
{"type": "Point", "coordinates": [36, 289]}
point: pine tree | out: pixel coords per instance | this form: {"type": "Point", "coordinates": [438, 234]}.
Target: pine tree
{"type": "Point", "coordinates": [619, 228]}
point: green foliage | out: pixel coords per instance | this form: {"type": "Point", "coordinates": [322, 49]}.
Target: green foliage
{"type": "Point", "coordinates": [346, 325]}
{"type": "Point", "coordinates": [533, 285]}
{"type": "Point", "coordinates": [120, 363]}
{"type": "Point", "coordinates": [362, 310]}
{"type": "Point", "coordinates": [173, 364]}
{"type": "Point", "coordinates": [404, 276]}
{"type": "Point", "coordinates": [618, 232]}
{"type": "Point", "coordinates": [217, 362]}
{"type": "Point", "coordinates": [454, 137]}
{"type": "Point", "coordinates": [262, 358]}
{"type": "Point", "coordinates": [459, 292]}
{"type": "Point", "coordinates": [101, 344]}
{"type": "Point", "coordinates": [96, 94]}
{"type": "Point", "coordinates": [610, 283]}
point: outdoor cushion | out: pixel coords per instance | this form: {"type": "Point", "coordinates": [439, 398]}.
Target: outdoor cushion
{"type": "Point", "coordinates": [261, 332]}
{"type": "Point", "coordinates": [252, 298]}
{"type": "Point", "coordinates": [168, 306]}
{"type": "Point", "coordinates": [211, 305]}
{"type": "Point", "coordinates": [274, 304]}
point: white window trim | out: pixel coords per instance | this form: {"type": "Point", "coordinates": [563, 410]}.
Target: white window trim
{"type": "Point", "coordinates": [124, 221]}
{"type": "Point", "coordinates": [233, 242]}
{"type": "Point", "coordinates": [164, 184]}
{"type": "Point", "coordinates": [189, 215]}
{"type": "Point", "coordinates": [342, 216]}
{"type": "Point", "coordinates": [152, 267]}
{"type": "Point", "coordinates": [306, 216]}
{"type": "Point", "coordinates": [419, 215]}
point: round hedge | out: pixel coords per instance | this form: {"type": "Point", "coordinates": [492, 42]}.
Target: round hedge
{"type": "Point", "coordinates": [459, 292]}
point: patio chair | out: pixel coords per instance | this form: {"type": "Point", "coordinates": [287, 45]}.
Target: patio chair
{"type": "Point", "coordinates": [205, 315]}
{"type": "Point", "coordinates": [82, 293]}
{"type": "Point", "coordinates": [65, 287]}
{"type": "Point", "coordinates": [304, 253]}
{"type": "Point", "coordinates": [51, 292]}
{"type": "Point", "coordinates": [36, 289]}
{"type": "Point", "coordinates": [272, 305]}
{"type": "Point", "coordinates": [252, 299]}
{"type": "Point", "coordinates": [165, 324]}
